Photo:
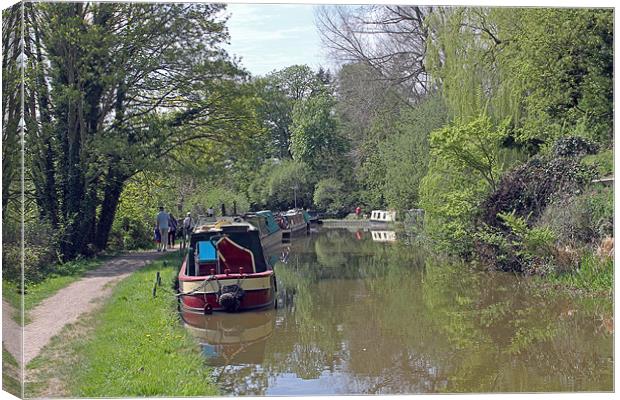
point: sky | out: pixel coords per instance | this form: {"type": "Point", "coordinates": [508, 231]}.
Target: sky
{"type": "Point", "coordinates": [271, 37]}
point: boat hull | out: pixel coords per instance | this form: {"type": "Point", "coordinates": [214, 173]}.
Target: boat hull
{"type": "Point", "coordinates": [271, 240]}
{"type": "Point", "coordinates": [200, 294]}
{"type": "Point", "coordinates": [295, 230]}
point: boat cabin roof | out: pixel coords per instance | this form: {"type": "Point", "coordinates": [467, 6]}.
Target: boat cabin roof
{"type": "Point", "coordinates": [224, 226]}
{"type": "Point", "coordinates": [242, 234]}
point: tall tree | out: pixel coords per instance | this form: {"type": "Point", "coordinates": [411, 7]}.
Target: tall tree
{"type": "Point", "coordinates": [280, 91]}
{"type": "Point", "coordinates": [117, 87]}
{"type": "Point", "coordinates": [11, 103]}
{"type": "Point", "coordinates": [316, 140]}
{"type": "Point", "coordinates": [390, 39]}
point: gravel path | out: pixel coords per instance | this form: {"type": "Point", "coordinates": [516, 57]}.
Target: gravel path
{"type": "Point", "coordinates": [65, 307]}
{"type": "Point", "coordinates": [11, 331]}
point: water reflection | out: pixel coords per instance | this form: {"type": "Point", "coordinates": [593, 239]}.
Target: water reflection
{"type": "Point", "coordinates": [361, 316]}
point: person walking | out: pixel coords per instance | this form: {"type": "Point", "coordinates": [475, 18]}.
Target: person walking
{"type": "Point", "coordinates": [161, 220]}
{"type": "Point", "coordinates": [172, 230]}
{"type": "Point", "coordinates": [210, 212]}
{"type": "Point", "coordinates": [188, 227]}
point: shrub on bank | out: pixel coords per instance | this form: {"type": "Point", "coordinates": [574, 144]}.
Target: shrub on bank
{"type": "Point", "coordinates": [546, 218]}
{"type": "Point", "coordinates": [586, 218]}
{"type": "Point", "coordinates": [529, 188]}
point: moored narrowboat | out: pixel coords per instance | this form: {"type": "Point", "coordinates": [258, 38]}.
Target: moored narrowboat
{"type": "Point", "coordinates": [225, 270]}
{"type": "Point", "coordinates": [268, 228]}
{"type": "Point", "coordinates": [292, 222]}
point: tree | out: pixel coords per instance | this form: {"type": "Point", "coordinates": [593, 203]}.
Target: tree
{"type": "Point", "coordinates": [11, 104]}
{"type": "Point", "coordinates": [405, 154]}
{"type": "Point", "coordinates": [280, 91]}
{"type": "Point", "coordinates": [549, 70]}
{"type": "Point", "coordinates": [315, 140]}
{"type": "Point", "coordinates": [390, 39]}
{"type": "Point", "coordinates": [329, 194]}
{"type": "Point", "coordinates": [115, 88]}
{"type": "Point", "coordinates": [279, 182]}
{"type": "Point", "coordinates": [473, 146]}
{"type": "Point", "coordinates": [362, 97]}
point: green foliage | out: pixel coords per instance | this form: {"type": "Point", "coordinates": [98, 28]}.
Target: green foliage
{"type": "Point", "coordinates": [528, 242]}
{"type": "Point", "coordinates": [315, 139]}
{"type": "Point", "coordinates": [278, 182]}
{"type": "Point", "coordinates": [405, 154]}
{"type": "Point", "coordinates": [573, 146]}
{"type": "Point", "coordinates": [464, 166]}
{"type": "Point", "coordinates": [549, 70]}
{"type": "Point", "coordinates": [329, 195]}
{"type": "Point", "coordinates": [593, 274]}
{"type": "Point", "coordinates": [214, 197]}
{"type": "Point", "coordinates": [450, 196]}
{"type": "Point", "coordinates": [139, 203]}
{"type": "Point", "coordinates": [603, 162]}
{"type": "Point", "coordinates": [472, 146]}
{"type": "Point", "coordinates": [585, 218]}
{"type": "Point", "coordinates": [527, 189]}
{"type": "Point", "coordinates": [279, 92]}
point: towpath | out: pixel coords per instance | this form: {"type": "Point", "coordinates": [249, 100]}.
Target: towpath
{"type": "Point", "coordinates": [68, 304]}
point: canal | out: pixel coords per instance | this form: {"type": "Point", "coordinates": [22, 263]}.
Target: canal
{"type": "Point", "coordinates": [360, 313]}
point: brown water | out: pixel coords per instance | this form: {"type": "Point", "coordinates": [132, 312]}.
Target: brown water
{"type": "Point", "coordinates": [357, 316]}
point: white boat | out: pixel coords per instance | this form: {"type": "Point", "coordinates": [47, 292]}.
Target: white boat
{"type": "Point", "coordinates": [382, 216]}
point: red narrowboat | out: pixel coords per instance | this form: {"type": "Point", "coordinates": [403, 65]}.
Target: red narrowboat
{"type": "Point", "coordinates": [225, 270]}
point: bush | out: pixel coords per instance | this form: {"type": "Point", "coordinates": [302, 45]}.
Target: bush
{"type": "Point", "coordinates": [529, 188]}
{"type": "Point", "coordinates": [273, 188]}
{"type": "Point", "coordinates": [573, 146]}
{"type": "Point", "coordinates": [603, 162]}
{"type": "Point", "coordinates": [330, 196]}
{"type": "Point", "coordinates": [40, 256]}
{"type": "Point", "coordinates": [585, 218]}
{"type": "Point", "coordinates": [517, 246]}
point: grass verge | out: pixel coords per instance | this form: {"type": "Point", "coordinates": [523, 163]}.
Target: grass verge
{"type": "Point", "coordinates": [134, 346]}
{"type": "Point", "coordinates": [10, 374]}
{"type": "Point", "coordinates": [594, 275]}
{"type": "Point", "coordinates": [65, 275]}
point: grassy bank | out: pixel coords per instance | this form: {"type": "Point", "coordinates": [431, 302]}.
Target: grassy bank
{"type": "Point", "coordinates": [593, 275]}
{"type": "Point", "coordinates": [10, 374]}
{"type": "Point", "coordinates": [64, 275]}
{"type": "Point", "coordinates": [134, 346]}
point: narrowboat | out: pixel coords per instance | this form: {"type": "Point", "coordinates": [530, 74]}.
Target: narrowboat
{"type": "Point", "coordinates": [268, 228]}
{"type": "Point", "coordinates": [292, 222]}
{"type": "Point", "coordinates": [225, 269]}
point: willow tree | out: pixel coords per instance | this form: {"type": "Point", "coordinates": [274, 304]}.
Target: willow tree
{"type": "Point", "coordinates": [549, 70]}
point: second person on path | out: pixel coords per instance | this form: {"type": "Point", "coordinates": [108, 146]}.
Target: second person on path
{"type": "Point", "coordinates": [161, 221]}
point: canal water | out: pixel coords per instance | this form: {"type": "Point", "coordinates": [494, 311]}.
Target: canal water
{"type": "Point", "coordinates": [363, 312]}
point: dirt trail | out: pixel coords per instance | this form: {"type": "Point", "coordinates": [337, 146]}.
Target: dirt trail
{"type": "Point", "coordinates": [11, 331]}
{"type": "Point", "coordinates": [65, 307]}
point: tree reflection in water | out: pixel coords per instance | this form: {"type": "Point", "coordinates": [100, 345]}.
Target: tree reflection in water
{"type": "Point", "coordinates": [357, 316]}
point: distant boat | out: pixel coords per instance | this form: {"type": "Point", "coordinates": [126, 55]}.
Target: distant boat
{"type": "Point", "coordinates": [225, 270]}
{"type": "Point", "coordinates": [292, 222]}
{"type": "Point", "coordinates": [269, 230]}
{"type": "Point", "coordinates": [382, 216]}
